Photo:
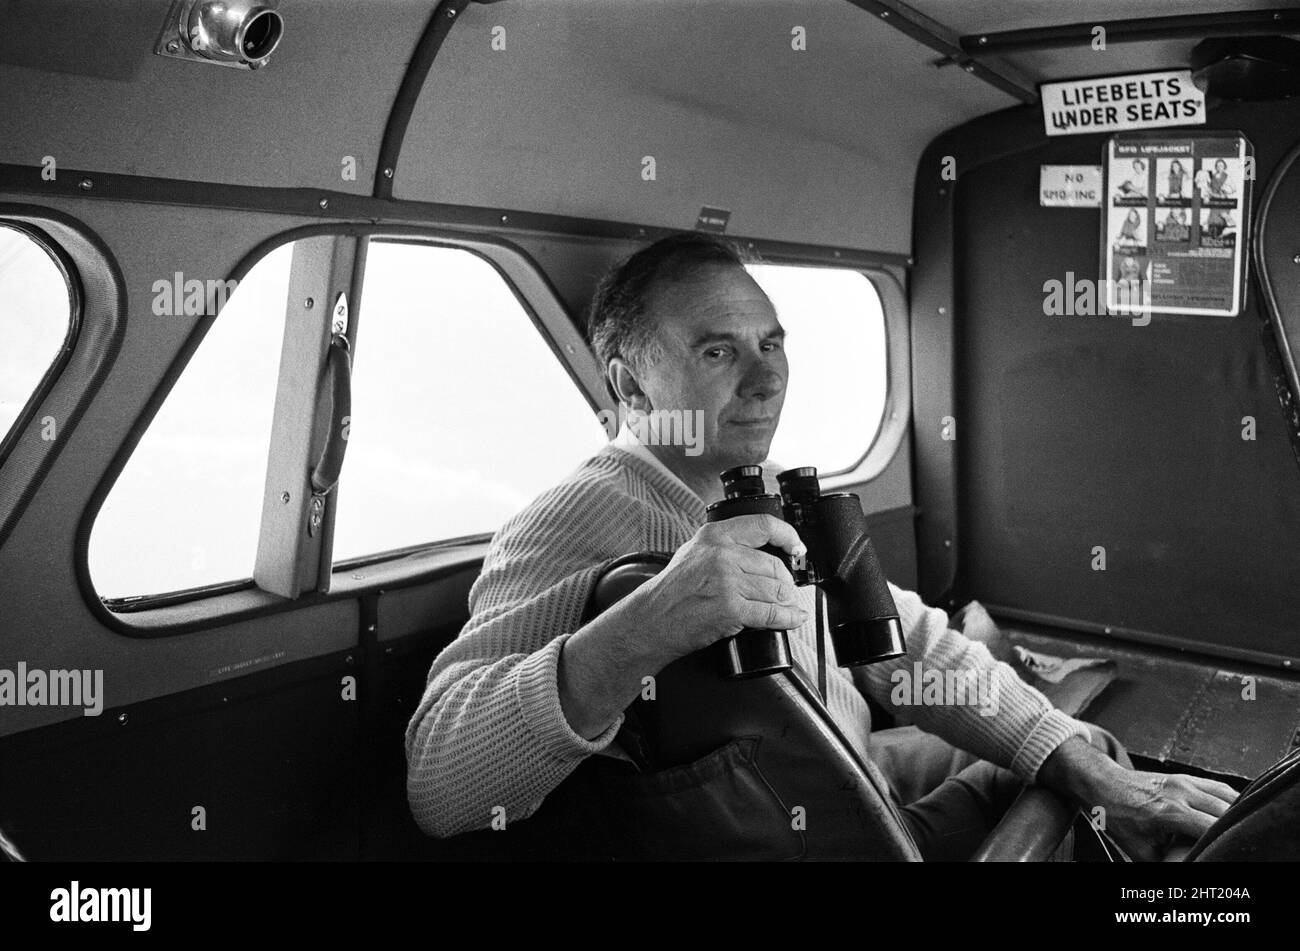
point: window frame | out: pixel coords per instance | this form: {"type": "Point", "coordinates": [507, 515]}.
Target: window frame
{"type": "Point", "coordinates": [223, 603]}
{"type": "Point", "coordinates": [72, 281]}
{"type": "Point", "coordinates": [896, 413]}
{"type": "Point", "coordinates": [173, 613]}
{"type": "Point", "coordinates": [549, 326]}
{"type": "Point", "coordinates": [896, 416]}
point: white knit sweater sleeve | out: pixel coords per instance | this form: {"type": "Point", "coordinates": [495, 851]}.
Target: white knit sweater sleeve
{"type": "Point", "coordinates": [1007, 721]}
{"type": "Point", "coordinates": [489, 731]}
{"type": "Point", "coordinates": [489, 737]}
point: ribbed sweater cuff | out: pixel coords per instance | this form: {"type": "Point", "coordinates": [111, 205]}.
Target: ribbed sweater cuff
{"type": "Point", "coordinates": [537, 691]}
{"type": "Point", "coordinates": [1048, 733]}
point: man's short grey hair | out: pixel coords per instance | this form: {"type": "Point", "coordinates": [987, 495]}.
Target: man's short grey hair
{"type": "Point", "coordinates": [617, 323]}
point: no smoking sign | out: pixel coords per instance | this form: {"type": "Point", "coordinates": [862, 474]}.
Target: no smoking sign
{"type": "Point", "coordinates": [1070, 186]}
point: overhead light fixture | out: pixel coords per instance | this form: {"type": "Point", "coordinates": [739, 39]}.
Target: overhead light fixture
{"type": "Point", "coordinates": [238, 33]}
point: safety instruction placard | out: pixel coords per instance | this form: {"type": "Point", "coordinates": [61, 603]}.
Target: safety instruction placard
{"type": "Point", "coordinates": [1112, 103]}
{"type": "Point", "coordinates": [1176, 222]}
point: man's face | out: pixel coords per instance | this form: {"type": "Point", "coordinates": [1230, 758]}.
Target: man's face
{"type": "Point", "coordinates": [723, 354]}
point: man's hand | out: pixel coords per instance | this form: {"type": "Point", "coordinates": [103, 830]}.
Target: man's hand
{"type": "Point", "coordinates": [716, 584]}
{"type": "Point", "coordinates": [1144, 812]}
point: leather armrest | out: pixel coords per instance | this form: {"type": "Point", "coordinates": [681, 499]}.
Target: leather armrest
{"type": "Point", "coordinates": [1032, 829]}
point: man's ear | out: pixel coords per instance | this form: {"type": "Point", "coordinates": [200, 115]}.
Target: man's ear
{"type": "Point", "coordinates": [627, 389]}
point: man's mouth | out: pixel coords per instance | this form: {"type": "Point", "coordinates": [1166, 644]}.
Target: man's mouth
{"type": "Point", "coordinates": [754, 423]}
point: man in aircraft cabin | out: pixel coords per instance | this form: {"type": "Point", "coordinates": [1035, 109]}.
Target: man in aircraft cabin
{"type": "Point", "coordinates": [528, 691]}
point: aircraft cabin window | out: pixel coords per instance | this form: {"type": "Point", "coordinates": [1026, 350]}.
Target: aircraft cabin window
{"type": "Point", "coordinates": [35, 323]}
{"type": "Point", "coordinates": [835, 343]}
{"type": "Point", "coordinates": [461, 414]}
{"type": "Point", "coordinates": [186, 509]}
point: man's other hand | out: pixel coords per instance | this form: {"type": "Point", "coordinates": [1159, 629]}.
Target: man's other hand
{"type": "Point", "coordinates": [1145, 812]}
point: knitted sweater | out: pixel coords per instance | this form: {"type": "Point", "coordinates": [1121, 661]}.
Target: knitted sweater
{"type": "Point", "coordinates": [489, 731]}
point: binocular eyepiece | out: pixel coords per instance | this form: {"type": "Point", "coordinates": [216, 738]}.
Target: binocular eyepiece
{"type": "Point", "coordinates": [841, 561]}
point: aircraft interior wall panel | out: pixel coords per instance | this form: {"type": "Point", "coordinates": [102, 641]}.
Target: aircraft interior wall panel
{"type": "Point", "coordinates": [975, 16]}
{"type": "Point", "coordinates": [790, 142]}
{"type": "Point", "coordinates": [1087, 432]}
{"type": "Point", "coordinates": [101, 100]}
{"type": "Point", "coordinates": [47, 622]}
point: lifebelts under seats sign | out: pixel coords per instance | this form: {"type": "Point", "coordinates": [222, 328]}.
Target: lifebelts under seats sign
{"type": "Point", "coordinates": [1117, 103]}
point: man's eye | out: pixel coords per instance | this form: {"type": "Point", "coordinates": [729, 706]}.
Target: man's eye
{"type": "Point", "coordinates": [772, 345]}
{"type": "Point", "coordinates": [715, 353]}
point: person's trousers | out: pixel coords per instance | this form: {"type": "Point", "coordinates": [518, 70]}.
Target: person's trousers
{"type": "Point", "coordinates": [949, 799]}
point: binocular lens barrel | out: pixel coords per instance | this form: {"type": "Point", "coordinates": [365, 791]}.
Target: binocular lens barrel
{"type": "Point", "coordinates": [753, 651]}
{"type": "Point", "coordinates": [867, 642]}
{"type": "Point", "coordinates": [842, 562]}
{"type": "Point", "coordinates": [743, 481]}
{"type": "Point", "coordinates": [799, 486]}
{"type": "Point", "coordinates": [863, 617]}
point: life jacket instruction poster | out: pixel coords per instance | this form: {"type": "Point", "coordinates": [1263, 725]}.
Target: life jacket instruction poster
{"type": "Point", "coordinates": [1175, 223]}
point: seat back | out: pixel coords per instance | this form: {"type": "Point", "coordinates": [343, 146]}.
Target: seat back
{"type": "Point", "coordinates": [728, 769]}
{"type": "Point", "coordinates": [1263, 825]}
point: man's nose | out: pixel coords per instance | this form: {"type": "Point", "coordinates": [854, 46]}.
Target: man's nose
{"type": "Point", "coordinates": [762, 380]}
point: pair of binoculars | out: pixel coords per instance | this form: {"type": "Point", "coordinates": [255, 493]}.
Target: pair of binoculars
{"type": "Point", "coordinates": [841, 561]}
